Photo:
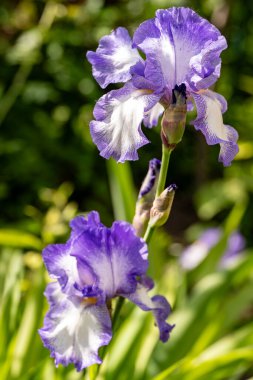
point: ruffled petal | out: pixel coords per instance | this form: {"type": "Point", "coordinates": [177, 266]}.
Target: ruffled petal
{"type": "Point", "coordinates": [180, 47]}
{"type": "Point", "coordinates": [210, 106]}
{"type": "Point", "coordinates": [159, 307]}
{"type": "Point", "coordinates": [113, 58]}
{"type": "Point", "coordinates": [128, 257]}
{"type": "Point", "coordinates": [117, 128]}
{"type": "Point", "coordinates": [114, 256]}
{"type": "Point", "coordinates": [61, 265]}
{"type": "Point", "coordinates": [74, 330]}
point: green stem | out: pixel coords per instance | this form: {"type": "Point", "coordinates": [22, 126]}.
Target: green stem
{"type": "Point", "coordinates": [119, 304]}
{"type": "Point", "coordinates": [163, 171]}
{"type": "Point", "coordinates": [160, 186]}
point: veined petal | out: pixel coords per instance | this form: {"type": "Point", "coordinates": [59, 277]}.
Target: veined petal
{"type": "Point", "coordinates": [74, 330]}
{"type": "Point", "coordinates": [209, 121]}
{"type": "Point", "coordinates": [113, 58]}
{"type": "Point", "coordinates": [179, 45]}
{"type": "Point", "coordinates": [115, 256]}
{"type": "Point", "coordinates": [205, 66]}
{"type": "Point", "coordinates": [59, 262]}
{"type": "Point", "coordinates": [159, 307]}
{"type": "Point", "coordinates": [117, 128]}
{"type": "Point", "coordinates": [61, 265]}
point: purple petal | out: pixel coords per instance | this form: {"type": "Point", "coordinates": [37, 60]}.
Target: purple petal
{"type": "Point", "coordinates": [58, 260]}
{"type": "Point", "coordinates": [114, 256]}
{"type": "Point", "coordinates": [180, 47]}
{"type": "Point", "coordinates": [74, 331]}
{"type": "Point", "coordinates": [209, 121]}
{"type": "Point", "coordinates": [159, 307]}
{"type": "Point", "coordinates": [113, 58]}
{"type": "Point", "coordinates": [61, 265]}
{"type": "Point", "coordinates": [117, 129]}
{"type": "Point", "coordinates": [77, 224]}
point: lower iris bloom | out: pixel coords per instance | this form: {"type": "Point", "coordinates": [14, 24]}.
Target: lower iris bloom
{"type": "Point", "coordinates": [94, 266]}
{"type": "Point", "coordinates": [180, 48]}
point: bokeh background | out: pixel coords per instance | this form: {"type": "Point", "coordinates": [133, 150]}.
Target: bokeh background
{"type": "Point", "coordinates": [51, 171]}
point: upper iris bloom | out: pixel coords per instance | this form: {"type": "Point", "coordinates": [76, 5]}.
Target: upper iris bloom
{"type": "Point", "coordinates": [180, 47]}
{"type": "Point", "coordinates": [94, 266]}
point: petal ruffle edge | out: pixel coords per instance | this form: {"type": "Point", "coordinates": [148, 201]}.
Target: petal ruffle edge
{"type": "Point", "coordinates": [157, 304]}
{"type": "Point", "coordinates": [74, 331]}
{"type": "Point", "coordinates": [113, 58]}
{"type": "Point", "coordinates": [117, 128]}
{"type": "Point", "coordinates": [210, 107]}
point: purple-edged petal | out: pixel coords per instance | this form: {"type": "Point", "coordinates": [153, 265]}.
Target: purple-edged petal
{"type": "Point", "coordinates": [92, 220]}
{"type": "Point", "coordinates": [117, 128]}
{"type": "Point", "coordinates": [115, 256]}
{"type": "Point", "coordinates": [159, 307]}
{"type": "Point", "coordinates": [152, 116]}
{"type": "Point", "coordinates": [180, 47]}
{"type": "Point", "coordinates": [209, 121]}
{"type": "Point", "coordinates": [59, 262]}
{"type": "Point", "coordinates": [74, 330]}
{"type": "Point", "coordinates": [61, 265]}
{"type": "Point", "coordinates": [113, 58]}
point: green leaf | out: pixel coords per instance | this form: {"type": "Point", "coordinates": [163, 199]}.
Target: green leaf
{"type": "Point", "coordinates": [17, 238]}
{"type": "Point", "coordinates": [122, 188]}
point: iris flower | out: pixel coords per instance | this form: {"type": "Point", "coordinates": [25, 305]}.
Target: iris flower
{"type": "Point", "coordinates": [194, 254]}
{"type": "Point", "coordinates": [180, 47]}
{"type": "Point", "coordinates": [94, 266]}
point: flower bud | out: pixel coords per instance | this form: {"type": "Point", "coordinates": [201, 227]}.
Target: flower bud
{"type": "Point", "coordinates": [174, 118]}
{"type": "Point", "coordinates": [146, 197]}
{"type": "Point", "coordinates": [160, 210]}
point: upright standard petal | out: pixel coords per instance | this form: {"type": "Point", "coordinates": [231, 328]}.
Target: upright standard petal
{"type": "Point", "coordinates": [210, 106]}
{"type": "Point", "coordinates": [117, 128]}
{"type": "Point", "coordinates": [157, 304]}
{"type": "Point", "coordinates": [115, 257]}
{"type": "Point", "coordinates": [179, 44]}
{"type": "Point", "coordinates": [113, 58]}
{"type": "Point", "coordinates": [74, 330]}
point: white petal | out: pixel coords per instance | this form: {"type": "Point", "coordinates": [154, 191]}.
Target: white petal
{"type": "Point", "coordinates": [119, 114]}
{"type": "Point", "coordinates": [74, 330]}
{"type": "Point", "coordinates": [209, 121]}
{"type": "Point", "coordinates": [151, 117]}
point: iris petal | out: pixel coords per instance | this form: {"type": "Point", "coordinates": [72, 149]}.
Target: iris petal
{"type": "Point", "coordinates": [113, 58]}
{"type": "Point", "coordinates": [115, 256]}
{"type": "Point", "coordinates": [117, 128]}
{"type": "Point", "coordinates": [210, 106]}
{"type": "Point", "coordinates": [159, 307]}
{"type": "Point", "coordinates": [74, 330]}
{"type": "Point", "coordinates": [180, 47]}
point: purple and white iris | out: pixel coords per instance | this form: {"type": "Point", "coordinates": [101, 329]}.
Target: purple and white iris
{"type": "Point", "coordinates": [94, 266]}
{"type": "Point", "coordinates": [180, 47]}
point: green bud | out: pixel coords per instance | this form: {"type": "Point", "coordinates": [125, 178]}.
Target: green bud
{"type": "Point", "coordinates": [174, 118]}
{"type": "Point", "coordinates": [161, 208]}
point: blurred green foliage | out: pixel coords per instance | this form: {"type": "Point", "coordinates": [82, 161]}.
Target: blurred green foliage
{"type": "Point", "coordinates": [50, 171]}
